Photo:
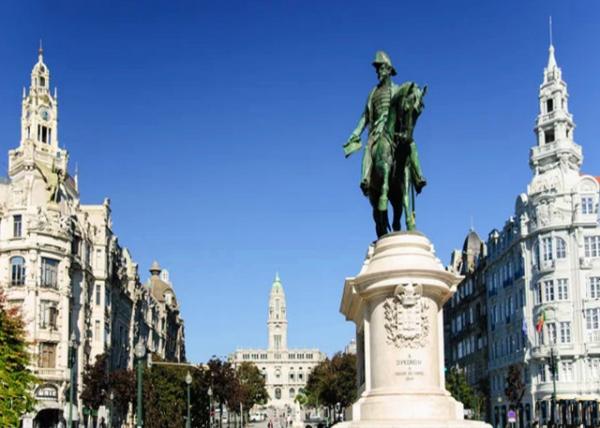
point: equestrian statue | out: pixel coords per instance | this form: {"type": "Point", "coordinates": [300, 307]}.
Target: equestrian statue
{"type": "Point", "coordinates": [391, 171]}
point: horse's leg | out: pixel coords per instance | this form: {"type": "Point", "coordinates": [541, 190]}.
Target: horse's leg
{"type": "Point", "coordinates": [409, 212]}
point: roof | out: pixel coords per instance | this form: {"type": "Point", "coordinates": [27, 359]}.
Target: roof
{"type": "Point", "coordinates": [157, 286]}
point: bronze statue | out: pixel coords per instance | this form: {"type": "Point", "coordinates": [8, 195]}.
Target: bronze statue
{"type": "Point", "coordinates": [391, 171]}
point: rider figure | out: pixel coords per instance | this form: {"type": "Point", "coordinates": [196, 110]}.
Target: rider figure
{"type": "Point", "coordinates": [386, 129]}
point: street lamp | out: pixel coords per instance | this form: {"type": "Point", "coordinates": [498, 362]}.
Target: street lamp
{"type": "Point", "coordinates": [210, 409]}
{"type": "Point", "coordinates": [140, 352]}
{"type": "Point", "coordinates": [188, 381]}
{"type": "Point", "coordinates": [110, 419]}
{"type": "Point", "coordinates": [72, 355]}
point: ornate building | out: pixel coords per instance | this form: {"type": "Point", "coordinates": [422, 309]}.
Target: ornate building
{"type": "Point", "coordinates": [542, 276]}
{"type": "Point", "coordinates": [285, 370]}
{"type": "Point", "coordinates": [465, 319]}
{"type": "Point", "coordinates": [61, 264]}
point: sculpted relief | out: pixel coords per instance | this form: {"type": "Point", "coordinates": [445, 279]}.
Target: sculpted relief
{"type": "Point", "coordinates": [406, 322]}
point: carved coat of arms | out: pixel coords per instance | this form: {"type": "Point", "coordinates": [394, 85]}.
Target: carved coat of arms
{"type": "Point", "coordinates": [406, 321]}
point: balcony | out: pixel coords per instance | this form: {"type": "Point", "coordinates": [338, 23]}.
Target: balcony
{"type": "Point", "coordinates": [51, 374]}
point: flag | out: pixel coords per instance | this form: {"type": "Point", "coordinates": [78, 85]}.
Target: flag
{"type": "Point", "coordinates": [540, 321]}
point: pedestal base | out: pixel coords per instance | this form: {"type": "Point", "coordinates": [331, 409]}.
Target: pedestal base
{"type": "Point", "coordinates": [396, 302]}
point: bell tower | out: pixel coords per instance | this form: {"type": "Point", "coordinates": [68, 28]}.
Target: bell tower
{"type": "Point", "coordinates": [39, 125]}
{"type": "Point", "coordinates": [554, 126]}
{"type": "Point", "coordinates": [277, 322]}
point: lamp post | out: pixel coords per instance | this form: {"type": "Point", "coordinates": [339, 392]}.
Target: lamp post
{"type": "Point", "coordinates": [72, 354]}
{"type": "Point", "coordinates": [210, 407]}
{"type": "Point", "coordinates": [553, 370]}
{"type": "Point", "coordinates": [188, 381]}
{"type": "Point", "coordinates": [140, 352]}
{"type": "Point", "coordinates": [110, 419]}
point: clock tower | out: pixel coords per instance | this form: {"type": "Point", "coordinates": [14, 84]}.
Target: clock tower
{"type": "Point", "coordinates": [39, 126]}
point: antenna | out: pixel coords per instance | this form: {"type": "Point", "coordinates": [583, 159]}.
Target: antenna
{"type": "Point", "coordinates": [550, 28]}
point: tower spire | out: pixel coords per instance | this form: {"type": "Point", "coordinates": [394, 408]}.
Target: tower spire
{"type": "Point", "coordinates": [551, 59]}
{"type": "Point", "coordinates": [41, 51]}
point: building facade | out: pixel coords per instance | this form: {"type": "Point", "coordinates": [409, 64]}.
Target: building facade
{"type": "Point", "coordinates": [77, 289]}
{"type": "Point", "coordinates": [465, 320]}
{"type": "Point", "coordinates": [542, 278]}
{"type": "Point", "coordinates": [285, 369]}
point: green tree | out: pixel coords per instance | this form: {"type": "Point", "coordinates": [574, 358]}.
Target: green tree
{"type": "Point", "coordinates": [224, 384]}
{"type": "Point", "coordinates": [332, 381]}
{"type": "Point", "coordinates": [457, 385]}
{"type": "Point", "coordinates": [16, 380]}
{"type": "Point", "coordinates": [251, 385]}
{"type": "Point", "coordinates": [164, 396]}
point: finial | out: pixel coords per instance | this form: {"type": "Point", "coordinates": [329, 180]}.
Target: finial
{"type": "Point", "coordinates": [550, 28]}
{"type": "Point", "coordinates": [24, 92]}
{"type": "Point", "coordinates": [55, 93]}
{"type": "Point", "coordinates": [472, 227]}
{"type": "Point", "coordinates": [277, 277]}
{"type": "Point", "coordinates": [41, 49]}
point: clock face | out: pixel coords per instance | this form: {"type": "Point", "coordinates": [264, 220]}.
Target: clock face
{"type": "Point", "coordinates": [45, 114]}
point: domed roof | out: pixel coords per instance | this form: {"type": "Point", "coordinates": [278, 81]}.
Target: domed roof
{"type": "Point", "coordinates": [157, 286]}
{"type": "Point", "coordinates": [472, 244]}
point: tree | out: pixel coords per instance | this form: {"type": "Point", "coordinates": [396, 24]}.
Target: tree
{"type": "Point", "coordinates": [457, 385]}
{"type": "Point", "coordinates": [122, 385]}
{"type": "Point", "coordinates": [251, 385]}
{"type": "Point", "coordinates": [332, 381]}
{"type": "Point", "coordinates": [95, 383]}
{"type": "Point", "coordinates": [515, 388]}
{"type": "Point", "coordinates": [164, 396]}
{"type": "Point", "coordinates": [224, 384]}
{"type": "Point", "coordinates": [16, 380]}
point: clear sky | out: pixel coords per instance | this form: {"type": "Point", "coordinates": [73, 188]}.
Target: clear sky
{"type": "Point", "coordinates": [216, 130]}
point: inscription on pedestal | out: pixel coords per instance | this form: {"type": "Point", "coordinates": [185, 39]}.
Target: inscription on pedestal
{"type": "Point", "coordinates": [409, 368]}
{"type": "Point", "coordinates": [406, 321]}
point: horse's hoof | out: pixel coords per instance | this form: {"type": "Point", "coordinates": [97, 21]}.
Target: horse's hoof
{"type": "Point", "coordinates": [420, 184]}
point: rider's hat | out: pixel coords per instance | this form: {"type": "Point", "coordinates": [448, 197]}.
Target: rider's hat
{"type": "Point", "coordinates": [382, 58]}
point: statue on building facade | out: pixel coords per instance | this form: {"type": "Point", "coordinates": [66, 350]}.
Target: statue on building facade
{"type": "Point", "coordinates": [391, 171]}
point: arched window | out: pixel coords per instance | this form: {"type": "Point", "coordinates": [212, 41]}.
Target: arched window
{"type": "Point", "coordinates": [17, 269]}
{"type": "Point", "coordinates": [292, 393]}
{"type": "Point", "coordinates": [277, 393]}
{"type": "Point", "coordinates": [561, 248]}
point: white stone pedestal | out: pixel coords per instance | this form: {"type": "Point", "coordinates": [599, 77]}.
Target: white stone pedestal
{"type": "Point", "coordinates": [396, 303]}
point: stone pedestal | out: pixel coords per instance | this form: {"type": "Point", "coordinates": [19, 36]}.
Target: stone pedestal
{"type": "Point", "coordinates": [396, 303]}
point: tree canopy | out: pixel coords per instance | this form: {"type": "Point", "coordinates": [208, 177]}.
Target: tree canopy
{"type": "Point", "coordinates": [332, 381]}
{"type": "Point", "coordinates": [16, 380]}
{"type": "Point", "coordinates": [515, 388]}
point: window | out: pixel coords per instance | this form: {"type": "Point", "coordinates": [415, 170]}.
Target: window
{"type": "Point", "coordinates": [591, 246]}
{"type": "Point", "coordinates": [542, 372]}
{"type": "Point", "coordinates": [292, 393]}
{"type": "Point", "coordinates": [277, 340]}
{"type": "Point", "coordinates": [549, 136]}
{"type": "Point", "coordinates": [567, 371]}
{"type": "Point", "coordinates": [17, 226]}
{"type": "Point", "coordinates": [97, 330]}
{"type": "Point", "coordinates": [42, 81]}
{"type": "Point", "coordinates": [594, 287]}
{"type": "Point", "coordinates": [587, 205]}
{"type": "Point", "coordinates": [292, 377]}
{"type": "Point", "coordinates": [538, 293]}
{"type": "Point", "coordinates": [17, 267]}
{"type": "Point", "coordinates": [47, 355]}
{"type": "Point", "coordinates": [547, 249]}
{"type": "Point", "coordinates": [565, 332]}
{"type": "Point", "coordinates": [44, 134]}
{"type": "Point", "coordinates": [561, 248]}
{"type": "Point", "coordinates": [549, 105]}
{"type": "Point", "coordinates": [591, 318]}
{"type": "Point", "coordinates": [48, 315]}
{"type": "Point", "coordinates": [277, 393]}
{"type": "Point", "coordinates": [563, 289]}
{"type": "Point", "coordinates": [549, 290]}
{"type": "Point", "coordinates": [49, 272]}
{"type": "Point", "coordinates": [98, 293]}
{"type": "Point", "coordinates": [551, 327]}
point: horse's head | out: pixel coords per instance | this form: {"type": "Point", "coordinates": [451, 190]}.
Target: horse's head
{"type": "Point", "coordinates": [413, 99]}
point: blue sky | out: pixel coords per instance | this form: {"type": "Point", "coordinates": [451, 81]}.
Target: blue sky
{"type": "Point", "coordinates": [216, 130]}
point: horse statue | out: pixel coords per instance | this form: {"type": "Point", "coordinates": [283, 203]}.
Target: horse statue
{"type": "Point", "coordinates": [391, 171]}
